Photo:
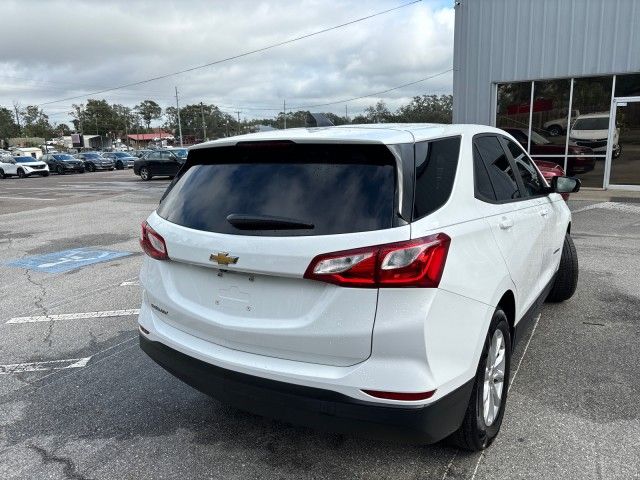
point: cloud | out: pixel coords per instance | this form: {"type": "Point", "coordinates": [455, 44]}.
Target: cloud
{"type": "Point", "coordinates": [72, 50]}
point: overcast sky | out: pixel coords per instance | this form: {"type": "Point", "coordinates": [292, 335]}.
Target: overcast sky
{"type": "Point", "coordinates": [51, 50]}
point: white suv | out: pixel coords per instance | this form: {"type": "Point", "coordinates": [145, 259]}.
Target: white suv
{"type": "Point", "coordinates": [592, 131]}
{"type": "Point", "coordinates": [360, 278]}
{"type": "Point", "coordinates": [22, 167]}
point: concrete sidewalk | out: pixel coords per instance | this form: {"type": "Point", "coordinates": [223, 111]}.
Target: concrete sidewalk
{"type": "Point", "coordinates": [597, 195]}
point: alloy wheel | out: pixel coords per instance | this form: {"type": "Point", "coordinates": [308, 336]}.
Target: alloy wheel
{"type": "Point", "coordinates": [494, 378]}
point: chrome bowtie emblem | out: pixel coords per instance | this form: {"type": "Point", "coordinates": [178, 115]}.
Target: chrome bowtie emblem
{"type": "Point", "coordinates": [223, 258]}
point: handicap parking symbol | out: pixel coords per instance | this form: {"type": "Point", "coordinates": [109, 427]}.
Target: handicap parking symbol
{"type": "Point", "coordinates": [66, 260]}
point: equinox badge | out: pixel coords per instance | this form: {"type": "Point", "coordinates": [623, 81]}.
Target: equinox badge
{"type": "Point", "coordinates": [223, 258]}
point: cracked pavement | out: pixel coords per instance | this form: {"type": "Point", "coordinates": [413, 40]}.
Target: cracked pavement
{"type": "Point", "coordinates": [572, 411]}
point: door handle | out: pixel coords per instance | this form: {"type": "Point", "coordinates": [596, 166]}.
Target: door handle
{"type": "Point", "coordinates": [544, 212]}
{"type": "Point", "coordinates": [506, 224]}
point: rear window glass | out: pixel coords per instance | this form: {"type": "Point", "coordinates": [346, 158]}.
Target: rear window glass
{"type": "Point", "coordinates": [336, 188]}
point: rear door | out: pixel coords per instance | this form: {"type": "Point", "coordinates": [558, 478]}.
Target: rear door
{"type": "Point", "coordinates": [154, 162]}
{"type": "Point", "coordinates": [514, 218]}
{"type": "Point", "coordinates": [342, 196]}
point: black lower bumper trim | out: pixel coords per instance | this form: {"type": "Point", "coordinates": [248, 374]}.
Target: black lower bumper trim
{"type": "Point", "coordinates": [313, 407]}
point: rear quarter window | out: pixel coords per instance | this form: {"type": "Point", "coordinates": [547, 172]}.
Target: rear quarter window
{"type": "Point", "coordinates": [336, 188]}
{"type": "Point", "coordinates": [435, 173]}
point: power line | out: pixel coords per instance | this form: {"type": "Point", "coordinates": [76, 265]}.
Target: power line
{"type": "Point", "coordinates": [240, 55]}
{"type": "Point", "coordinates": [300, 107]}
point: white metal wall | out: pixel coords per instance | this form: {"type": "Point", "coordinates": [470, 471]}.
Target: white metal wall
{"type": "Point", "coordinates": [511, 40]}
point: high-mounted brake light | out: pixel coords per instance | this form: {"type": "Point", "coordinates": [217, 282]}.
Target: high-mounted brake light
{"type": "Point", "coordinates": [152, 243]}
{"type": "Point", "coordinates": [413, 263]}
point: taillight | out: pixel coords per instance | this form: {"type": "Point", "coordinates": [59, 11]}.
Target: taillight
{"type": "Point", "coordinates": [152, 243]}
{"type": "Point", "coordinates": [413, 263]}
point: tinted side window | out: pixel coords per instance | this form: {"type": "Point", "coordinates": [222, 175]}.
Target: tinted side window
{"type": "Point", "coordinates": [483, 187]}
{"type": "Point", "coordinates": [434, 175]}
{"type": "Point", "coordinates": [498, 166]}
{"type": "Point", "coordinates": [532, 181]}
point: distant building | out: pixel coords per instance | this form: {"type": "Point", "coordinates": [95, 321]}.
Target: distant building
{"type": "Point", "coordinates": [142, 140]}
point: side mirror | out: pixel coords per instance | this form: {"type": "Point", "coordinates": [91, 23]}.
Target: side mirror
{"type": "Point", "coordinates": [565, 184]}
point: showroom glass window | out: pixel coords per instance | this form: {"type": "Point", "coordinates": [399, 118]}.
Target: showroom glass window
{"type": "Point", "coordinates": [512, 112]}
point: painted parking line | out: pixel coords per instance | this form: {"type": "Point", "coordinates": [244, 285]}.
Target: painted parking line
{"type": "Point", "coordinates": [133, 283]}
{"type": "Point", "coordinates": [44, 366]}
{"type": "Point", "coordinates": [66, 260]}
{"type": "Point", "coordinates": [27, 198]}
{"type": "Point", "coordinates": [75, 316]}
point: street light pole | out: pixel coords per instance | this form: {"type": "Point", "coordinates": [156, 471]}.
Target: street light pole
{"type": "Point", "coordinates": [179, 124]}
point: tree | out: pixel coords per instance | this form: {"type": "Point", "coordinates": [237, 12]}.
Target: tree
{"type": "Point", "coordinates": [36, 122]}
{"type": "Point", "coordinates": [8, 126]}
{"type": "Point", "coordinates": [379, 113]}
{"type": "Point", "coordinates": [427, 108]}
{"type": "Point", "coordinates": [216, 121]}
{"type": "Point", "coordinates": [149, 110]}
{"type": "Point", "coordinates": [62, 129]}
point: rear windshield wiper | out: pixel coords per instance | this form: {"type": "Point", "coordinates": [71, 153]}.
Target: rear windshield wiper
{"type": "Point", "coordinates": [266, 222]}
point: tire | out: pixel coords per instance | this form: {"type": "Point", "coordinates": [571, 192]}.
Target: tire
{"type": "Point", "coordinates": [119, 166]}
{"type": "Point", "coordinates": [564, 286]}
{"type": "Point", "coordinates": [111, 169]}
{"type": "Point", "coordinates": [480, 428]}
{"type": "Point", "coordinates": [21, 173]}
{"type": "Point", "coordinates": [618, 152]}
{"type": "Point", "coordinates": [2, 174]}
{"type": "Point", "coordinates": [45, 174]}
{"type": "Point", "coordinates": [555, 130]}
{"type": "Point", "coordinates": [60, 170]}
{"type": "Point", "coordinates": [91, 167]}
{"type": "Point", "coordinates": [145, 174]}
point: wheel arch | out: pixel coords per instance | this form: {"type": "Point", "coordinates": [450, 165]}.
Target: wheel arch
{"type": "Point", "coordinates": [508, 304]}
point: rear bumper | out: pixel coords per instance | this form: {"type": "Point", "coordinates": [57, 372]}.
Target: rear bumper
{"type": "Point", "coordinates": [314, 407]}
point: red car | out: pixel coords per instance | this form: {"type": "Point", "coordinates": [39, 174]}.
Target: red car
{"type": "Point", "coordinates": [542, 146]}
{"type": "Point", "coordinates": [550, 170]}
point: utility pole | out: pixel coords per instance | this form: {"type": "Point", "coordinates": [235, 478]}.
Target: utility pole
{"type": "Point", "coordinates": [204, 125]}
{"type": "Point", "coordinates": [284, 110]}
{"type": "Point", "coordinates": [238, 112]}
{"type": "Point", "coordinates": [80, 117]}
{"type": "Point", "coordinates": [179, 124]}
{"type": "Point", "coordinates": [346, 113]}
{"type": "Point", "coordinates": [16, 107]}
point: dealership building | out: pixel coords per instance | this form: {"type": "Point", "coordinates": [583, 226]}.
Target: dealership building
{"type": "Point", "coordinates": [562, 76]}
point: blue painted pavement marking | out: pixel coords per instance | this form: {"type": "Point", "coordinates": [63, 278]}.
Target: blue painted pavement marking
{"type": "Point", "coordinates": [66, 260]}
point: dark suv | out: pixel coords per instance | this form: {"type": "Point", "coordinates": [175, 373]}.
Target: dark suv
{"type": "Point", "coordinates": [62, 163]}
{"type": "Point", "coordinates": [158, 163]}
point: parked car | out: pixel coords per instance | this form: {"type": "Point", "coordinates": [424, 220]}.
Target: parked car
{"type": "Point", "coordinates": [121, 160]}
{"type": "Point", "coordinates": [62, 163]}
{"type": "Point", "coordinates": [95, 161]}
{"type": "Point", "coordinates": [593, 131]}
{"type": "Point", "coordinates": [371, 279]}
{"type": "Point", "coordinates": [558, 126]}
{"type": "Point", "coordinates": [180, 152]}
{"type": "Point", "coordinates": [22, 167]}
{"type": "Point", "coordinates": [542, 146]}
{"type": "Point", "coordinates": [158, 163]}
{"type": "Point", "coordinates": [141, 153]}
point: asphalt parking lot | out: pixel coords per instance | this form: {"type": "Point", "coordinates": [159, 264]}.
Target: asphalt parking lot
{"type": "Point", "coordinates": [79, 400]}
